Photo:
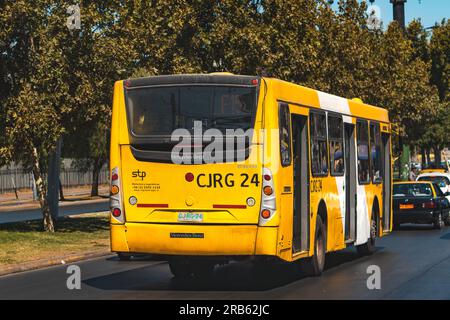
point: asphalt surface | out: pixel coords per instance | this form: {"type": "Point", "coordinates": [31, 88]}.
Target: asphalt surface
{"type": "Point", "coordinates": [414, 264]}
{"type": "Point", "coordinates": [79, 207]}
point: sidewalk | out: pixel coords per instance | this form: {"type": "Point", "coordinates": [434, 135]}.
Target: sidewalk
{"type": "Point", "coordinates": [77, 201]}
{"type": "Point", "coordinates": [76, 195]}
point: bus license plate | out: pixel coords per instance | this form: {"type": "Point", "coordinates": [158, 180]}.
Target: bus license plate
{"type": "Point", "coordinates": [190, 217]}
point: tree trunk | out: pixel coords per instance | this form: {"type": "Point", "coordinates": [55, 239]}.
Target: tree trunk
{"type": "Point", "coordinates": [428, 156]}
{"type": "Point", "coordinates": [424, 160]}
{"type": "Point", "coordinates": [95, 177]}
{"type": "Point", "coordinates": [42, 193]}
{"type": "Point", "coordinates": [437, 156]}
{"type": "Point", "coordinates": [61, 193]}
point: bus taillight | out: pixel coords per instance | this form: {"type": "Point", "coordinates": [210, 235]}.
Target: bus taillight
{"type": "Point", "coordinates": [268, 200]}
{"type": "Point", "coordinates": [114, 189]}
{"type": "Point", "coordinates": [116, 212]}
{"type": "Point", "coordinates": [115, 199]}
{"type": "Point", "coordinates": [268, 190]}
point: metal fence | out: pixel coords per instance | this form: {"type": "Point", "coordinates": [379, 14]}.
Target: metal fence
{"type": "Point", "coordinates": [21, 179]}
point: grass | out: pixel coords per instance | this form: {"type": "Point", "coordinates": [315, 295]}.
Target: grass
{"type": "Point", "coordinates": [25, 241]}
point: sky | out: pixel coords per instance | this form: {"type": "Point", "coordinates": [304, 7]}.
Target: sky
{"type": "Point", "coordinates": [430, 11]}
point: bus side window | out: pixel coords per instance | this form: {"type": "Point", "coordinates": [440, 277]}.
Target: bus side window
{"type": "Point", "coordinates": [362, 135]}
{"type": "Point", "coordinates": [285, 134]}
{"type": "Point", "coordinates": [336, 138]}
{"type": "Point", "coordinates": [318, 130]}
{"type": "Point", "coordinates": [375, 152]}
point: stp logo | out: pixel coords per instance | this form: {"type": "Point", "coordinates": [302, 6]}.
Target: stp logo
{"type": "Point", "coordinates": [138, 174]}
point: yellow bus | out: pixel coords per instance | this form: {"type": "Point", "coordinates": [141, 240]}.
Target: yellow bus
{"type": "Point", "coordinates": [301, 172]}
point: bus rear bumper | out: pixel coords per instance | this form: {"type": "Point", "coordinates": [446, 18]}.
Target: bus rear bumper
{"type": "Point", "coordinates": [201, 240]}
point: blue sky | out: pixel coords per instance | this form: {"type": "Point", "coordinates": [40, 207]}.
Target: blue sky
{"type": "Point", "coordinates": [430, 11]}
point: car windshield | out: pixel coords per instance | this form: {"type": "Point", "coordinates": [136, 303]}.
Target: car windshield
{"type": "Point", "coordinates": [412, 190]}
{"type": "Point", "coordinates": [439, 180]}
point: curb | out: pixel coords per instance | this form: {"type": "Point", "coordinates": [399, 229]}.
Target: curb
{"type": "Point", "coordinates": [39, 264]}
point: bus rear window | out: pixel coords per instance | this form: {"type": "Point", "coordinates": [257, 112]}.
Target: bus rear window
{"type": "Point", "coordinates": [155, 111]}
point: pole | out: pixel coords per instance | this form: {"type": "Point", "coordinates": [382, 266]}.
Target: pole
{"type": "Point", "coordinates": [398, 7]}
{"type": "Point", "coordinates": [398, 10]}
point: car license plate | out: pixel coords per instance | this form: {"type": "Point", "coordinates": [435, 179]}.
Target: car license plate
{"type": "Point", "coordinates": [190, 217]}
{"type": "Point", "coordinates": [406, 206]}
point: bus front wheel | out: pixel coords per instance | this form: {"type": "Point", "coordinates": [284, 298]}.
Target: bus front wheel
{"type": "Point", "coordinates": [315, 264]}
{"type": "Point", "coordinates": [368, 248]}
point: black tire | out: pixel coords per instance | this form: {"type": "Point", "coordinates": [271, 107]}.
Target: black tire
{"type": "Point", "coordinates": [124, 256]}
{"type": "Point", "coordinates": [447, 221]}
{"type": "Point", "coordinates": [314, 265]}
{"type": "Point", "coordinates": [368, 248]}
{"type": "Point", "coordinates": [439, 222]}
{"type": "Point", "coordinates": [180, 268]}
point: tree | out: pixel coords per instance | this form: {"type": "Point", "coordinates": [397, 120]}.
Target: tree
{"type": "Point", "coordinates": [103, 55]}
{"type": "Point", "coordinates": [401, 82]}
{"type": "Point", "coordinates": [439, 51]}
{"type": "Point", "coordinates": [431, 133]}
{"type": "Point", "coordinates": [38, 98]}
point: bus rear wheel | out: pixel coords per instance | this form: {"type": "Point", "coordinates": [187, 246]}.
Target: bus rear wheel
{"type": "Point", "coordinates": [368, 248]}
{"type": "Point", "coordinates": [180, 268]}
{"type": "Point", "coordinates": [314, 265]}
{"type": "Point", "coordinates": [124, 256]}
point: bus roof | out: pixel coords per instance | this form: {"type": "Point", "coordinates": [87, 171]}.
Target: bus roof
{"type": "Point", "coordinates": [214, 78]}
{"type": "Point", "coordinates": [286, 91]}
{"type": "Point", "coordinates": [297, 94]}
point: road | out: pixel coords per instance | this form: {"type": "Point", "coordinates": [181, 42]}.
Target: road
{"type": "Point", "coordinates": [65, 209]}
{"type": "Point", "coordinates": [414, 262]}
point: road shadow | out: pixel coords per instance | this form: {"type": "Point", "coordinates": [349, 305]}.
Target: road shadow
{"type": "Point", "coordinates": [235, 276]}
{"type": "Point", "coordinates": [414, 227]}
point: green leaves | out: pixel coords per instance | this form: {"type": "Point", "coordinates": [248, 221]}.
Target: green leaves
{"type": "Point", "coordinates": [59, 82]}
